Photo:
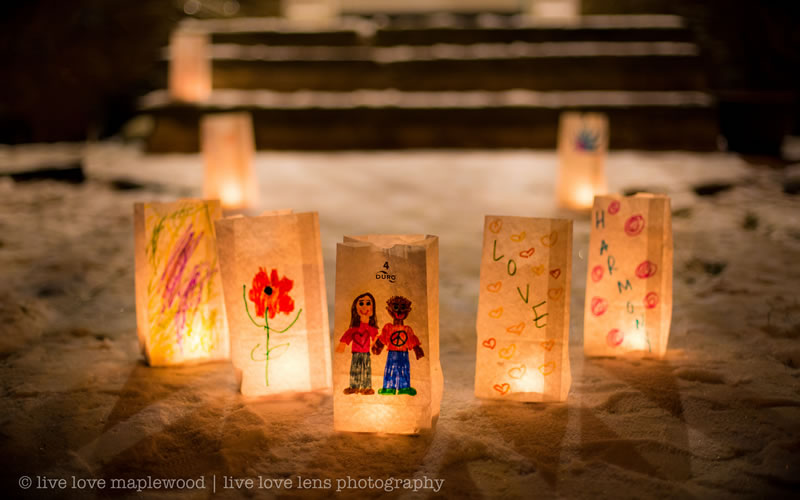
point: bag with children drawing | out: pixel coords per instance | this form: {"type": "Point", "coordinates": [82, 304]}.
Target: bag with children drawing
{"type": "Point", "coordinates": [387, 376]}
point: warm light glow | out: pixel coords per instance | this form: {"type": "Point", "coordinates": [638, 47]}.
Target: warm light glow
{"type": "Point", "coordinates": [231, 195]}
{"type": "Point", "coordinates": [583, 196]}
{"type": "Point", "coordinates": [532, 382]}
{"type": "Point", "coordinates": [636, 341]}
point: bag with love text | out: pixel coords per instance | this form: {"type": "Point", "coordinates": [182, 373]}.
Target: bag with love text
{"type": "Point", "coordinates": [275, 303]}
{"type": "Point", "coordinates": [523, 309]}
{"type": "Point", "coordinates": [387, 376]}
{"type": "Point", "coordinates": [629, 281]}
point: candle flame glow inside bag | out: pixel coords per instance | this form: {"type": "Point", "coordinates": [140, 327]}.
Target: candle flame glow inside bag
{"type": "Point", "coordinates": [228, 150]}
{"type": "Point", "coordinates": [629, 281]}
{"type": "Point", "coordinates": [274, 285]}
{"type": "Point", "coordinates": [523, 309]}
{"type": "Point", "coordinates": [179, 311]}
{"type": "Point", "coordinates": [189, 66]}
{"type": "Point", "coordinates": [387, 376]}
{"type": "Point", "coordinates": [582, 148]}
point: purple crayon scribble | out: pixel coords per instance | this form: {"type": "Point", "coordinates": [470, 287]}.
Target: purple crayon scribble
{"type": "Point", "coordinates": [190, 297]}
{"type": "Point", "coordinates": [187, 291]}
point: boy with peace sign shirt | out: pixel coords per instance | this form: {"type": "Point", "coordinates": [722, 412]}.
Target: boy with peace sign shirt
{"type": "Point", "coordinates": [400, 339]}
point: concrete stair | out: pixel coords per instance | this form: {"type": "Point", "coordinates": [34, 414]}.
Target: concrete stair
{"type": "Point", "coordinates": [474, 83]}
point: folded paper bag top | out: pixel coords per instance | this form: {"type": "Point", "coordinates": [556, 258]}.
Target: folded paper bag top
{"type": "Point", "coordinates": [180, 317]}
{"type": "Point", "coordinates": [628, 307]}
{"type": "Point", "coordinates": [523, 309]}
{"type": "Point", "coordinates": [274, 286]}
{"type": "Point", "coordinates": [387, 376]}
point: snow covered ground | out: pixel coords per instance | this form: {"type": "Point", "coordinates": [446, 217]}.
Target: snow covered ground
{"type": "Point", "coordinates": [719, 417]}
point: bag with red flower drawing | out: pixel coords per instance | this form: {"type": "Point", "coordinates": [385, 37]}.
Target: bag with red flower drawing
{"type": "Point", "coordinates": [277, 313]}
{"type": "Point", "coordinates": [387, 376]}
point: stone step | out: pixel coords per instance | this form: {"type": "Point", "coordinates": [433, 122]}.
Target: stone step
{"type": "Point", "coordinates": [429, 30]}
{"type": "Point", "coordinates": [397, 120]}
{"type": "Point", "coordinates": [535, 66]}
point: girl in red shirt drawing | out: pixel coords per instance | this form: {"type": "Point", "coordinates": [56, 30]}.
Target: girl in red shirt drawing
{"type": "Point", "coordinates": [363, 330]}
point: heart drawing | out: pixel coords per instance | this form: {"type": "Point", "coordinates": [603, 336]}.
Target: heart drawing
{"type": "Point", "coordinates": [549, 240]}
{"type": "Point", "coordinates": [494, 287]}
{"type": "Point", "coordinates": [517, 372]}
{"type": "Point", "coordinates": [518, 328]}
{"type": "Point", "coordinates": [508, 352]}
{"type": "Point", "coordinates": [502, 388]}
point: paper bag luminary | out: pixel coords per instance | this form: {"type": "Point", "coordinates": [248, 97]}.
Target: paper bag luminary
{"type": "Point", "coordinates": [275, 302]}
{"type": "Point", "coordinates": [523, 310]}
{"type": "Point", "coordinates": [228, 150]}
{"type": "Point", "coordinates": [189, 66]}
{"type": "Point", "coordinates": [629, 282]}
{"type": "Point", "coordinates": [387, 376]}
{"type": "Point", "coordinates": [582, 147]}
{"type": "Point", "coordinates": [179, 311]}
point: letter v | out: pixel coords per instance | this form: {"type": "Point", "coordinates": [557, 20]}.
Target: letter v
{"type": "Point", "coordinates": [527, 292]}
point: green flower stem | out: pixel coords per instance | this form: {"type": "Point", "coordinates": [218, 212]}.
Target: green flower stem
{"type": "Point", "coordinates": [266, 328]}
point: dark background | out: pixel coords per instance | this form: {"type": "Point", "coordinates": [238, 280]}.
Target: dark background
{"type": "Point", "coordinates": [74, 70]}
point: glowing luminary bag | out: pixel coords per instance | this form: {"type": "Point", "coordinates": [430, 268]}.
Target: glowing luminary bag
{"type": "Point", "coordinates": [629, 282]}
{"type": "Point", "coordinates": [582, 148]}
{"type": "Point", "coordinates": [523, 309]}
{"type": "Point", "coordinates": [387, 376]}
{"type": "Point", "coordinates": [179, 312]}
{"type": "Point", "coordinates": [274, 284]}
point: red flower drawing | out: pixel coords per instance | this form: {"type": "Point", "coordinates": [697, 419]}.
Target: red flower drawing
{"type": "Point", "coordinates": [270, 293]}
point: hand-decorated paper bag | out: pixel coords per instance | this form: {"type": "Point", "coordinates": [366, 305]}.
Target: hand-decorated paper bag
{"type": "Point", "coordinates": [275, 302]}
{"type": "Point", "coordinates": [179, 312]}
{"type": "Point", "coordinates": [523, 309]}
{"type": "Point", "coordinates": [629, 280]}
{"type": "Point", "coordinates": [387, 376]}
{"type": "Point", "coordinates": [582, 147]}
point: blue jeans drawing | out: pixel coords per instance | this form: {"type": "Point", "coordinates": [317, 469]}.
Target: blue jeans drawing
{"type": "Point", "coordinates": [397, 374]}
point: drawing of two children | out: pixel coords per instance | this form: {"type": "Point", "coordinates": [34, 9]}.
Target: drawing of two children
{"type": "Point", "coordinates": [396, 336]}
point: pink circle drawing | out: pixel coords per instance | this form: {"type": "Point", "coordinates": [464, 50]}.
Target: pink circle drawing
{"type": "Point", "coordinates": [651, 300]}
{"type": "Point", "coordinates": [597, 273]}
{"type": "Point", "coordinates": [615, 337]}
{"type": "Point", "coordinates": [599, 306]}
{"type": "Point", "coordinates": [646, 269]}
{"type": "Point", "coordinates": [634, 225]}
{"type": "Point", "coordinates": [613, 207]}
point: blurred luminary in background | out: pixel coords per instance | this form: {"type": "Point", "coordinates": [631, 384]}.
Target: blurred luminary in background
{"type": "Point", "coordinates": [189, 66]}
{"type": "Point", "coordinates": [228, 150]}
{"type": "Point", "coordinates": [582, 148]}
{"type": "Point", "coordinates": [555, 11]}
{"type": "Point", "coordinates": [311, 13]}
{"type": "Point", "coordinates": [179, 309]}
{"type": "Point", "coordinates": [275, 302]}
{"type": "Point", "coordinates": [629, 280]}
{"type": "Point", "coordinates": [387, 376]}
{"type": "Point", "coordinates": [523, 309]}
